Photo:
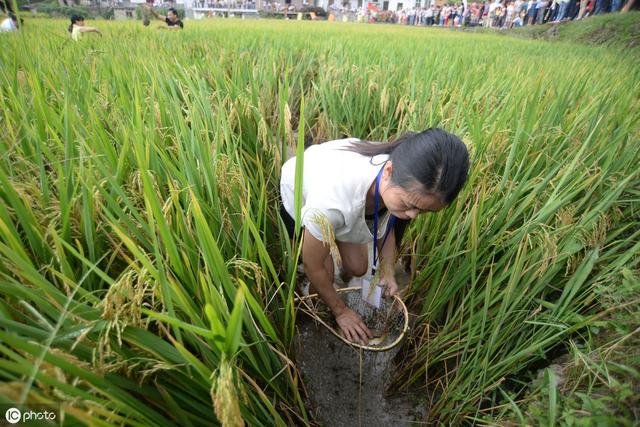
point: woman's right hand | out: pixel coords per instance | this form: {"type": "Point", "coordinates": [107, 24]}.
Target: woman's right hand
{"type": "Point", "coordinates": [352, 326]}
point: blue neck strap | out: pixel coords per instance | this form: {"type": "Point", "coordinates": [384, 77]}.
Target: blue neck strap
{"type": "Point", "coordinates": [390, 223]}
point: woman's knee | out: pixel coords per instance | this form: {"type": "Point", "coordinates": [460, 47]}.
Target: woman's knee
{"type": "Point", "coordinates": [356, 269]}
{"type": "Point", "coordinates": [355, 261]}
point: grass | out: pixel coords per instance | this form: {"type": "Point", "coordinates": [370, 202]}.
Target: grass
{"type": "Point", "coordinates": [614, 30]}
{"type": "Point", "coordinates": [147, 279]}
{"type": "Point", "coordinates": [597, 381]}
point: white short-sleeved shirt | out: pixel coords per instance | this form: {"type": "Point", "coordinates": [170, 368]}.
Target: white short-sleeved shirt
{"type": "Point", "coordinates": [334, 186]}
{"type": "Point", "coordinates": [7, 26]}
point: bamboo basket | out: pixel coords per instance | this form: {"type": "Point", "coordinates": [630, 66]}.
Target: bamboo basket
{"type": "Point", "coordinates": [389, 323]}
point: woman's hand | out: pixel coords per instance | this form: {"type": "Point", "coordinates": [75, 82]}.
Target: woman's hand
{"type": "Point", "coordinates": [352, 326]}
{"type": "Point", "coordinates": [390, 285]}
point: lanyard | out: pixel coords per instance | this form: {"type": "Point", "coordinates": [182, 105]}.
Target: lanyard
{"type": "Point", "coordinates": [390, 223]}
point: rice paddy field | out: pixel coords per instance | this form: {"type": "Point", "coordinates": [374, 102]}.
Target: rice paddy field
{"type": "Point", "coordinates": [145, 276]}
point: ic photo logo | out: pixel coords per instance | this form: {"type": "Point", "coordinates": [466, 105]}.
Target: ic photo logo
{"type": "Point", "coordinates": [13, 415]}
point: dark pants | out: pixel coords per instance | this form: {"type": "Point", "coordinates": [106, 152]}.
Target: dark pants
{"type": "Point", "coordinates": [289, 223]}
{"type": "Point", "coordinates": [602, 6]}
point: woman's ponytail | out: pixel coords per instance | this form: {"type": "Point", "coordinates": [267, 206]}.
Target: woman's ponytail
{"type": "Point", "coordinates": [368, 148]}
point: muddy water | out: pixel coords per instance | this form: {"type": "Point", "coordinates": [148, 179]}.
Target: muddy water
{"type": "Point", "coordinates": [346, 386]}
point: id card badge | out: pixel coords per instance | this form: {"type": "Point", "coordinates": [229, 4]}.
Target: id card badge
{"type": "Point", "coordinates": [371, 293]}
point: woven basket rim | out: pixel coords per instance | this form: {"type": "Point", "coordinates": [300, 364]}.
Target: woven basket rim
{"type": "Point", "coordinates": [353, 344]}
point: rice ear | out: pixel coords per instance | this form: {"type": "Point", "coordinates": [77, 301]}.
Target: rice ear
{"type": "Point", "coordinates": [225, 396]}
{"type": "Point", "coordinates": [328, 236]}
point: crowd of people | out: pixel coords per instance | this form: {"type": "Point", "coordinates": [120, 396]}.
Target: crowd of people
{"type": "Point", "coordinates": [224, 4]}
{"type": "Point", "coordinates": [502, 14]}
{"type": "Point", "coordinates": [275, 6]}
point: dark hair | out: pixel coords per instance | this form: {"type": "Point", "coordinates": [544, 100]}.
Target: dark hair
{"type": "Point", "coordinates": [174, 10]}
{"type": "Point", "coordinates": [437, 159]}
{"type": "Point", "coordinates": [74, 19]}
{"type": "Point", "coordinates": [434, 158]}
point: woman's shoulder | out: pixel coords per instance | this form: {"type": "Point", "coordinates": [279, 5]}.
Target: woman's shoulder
{"type": "Point", "coordinates": [336, 150]}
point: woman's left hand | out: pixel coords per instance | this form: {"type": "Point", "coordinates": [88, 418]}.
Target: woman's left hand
{"type": "Point", "coordinates": [390, 285]}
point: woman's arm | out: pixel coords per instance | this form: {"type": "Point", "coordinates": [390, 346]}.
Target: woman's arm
{"type": "Point", "coordinates": [90, 30]}
{"type": "Point", "coordinates": [387, 264]}
{"type": "Point", "coordinates": [314, 253]}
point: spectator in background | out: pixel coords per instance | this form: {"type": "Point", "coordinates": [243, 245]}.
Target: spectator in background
{"type": "Point", "coordinates": [9, 24]}
{"type": "Point", "coordinates": [466, 16]}
{"type": "Point", "coordinates": [436, 15]}
{"type": "Point", "coordinates": [77, 27]}
{"type": "Point", "coordinates": [478, 18]}
{"type": "Point", "coordinates": [541, 8]}
{"type": "Point", "coordinates": [429, 13]}
{"type": "Point", "coordinates": [500, 15]}
{"type": "Point", "coordinates": [171, 19]}
{"type": "Point", "coordinates": [485, 14]}
{"type": "Point", "coordinates": [473, 10]}
{"type": "Point", "coordinates": [582, 9]}
{"type": "Point", "coordinates": [511, 11]}
{"type": "Point", "coordinates": [494, 11]}
{"type": "Point", "coordinates": [590, 6]}
{"type": "Point", "coordinates": [519, 20]}
{"type": "Point", "coordinates": [531, 12]}
{"type": "Point", "coordinates": [562, 11]}
{"type": "Point", "coordinates": [600, 6]}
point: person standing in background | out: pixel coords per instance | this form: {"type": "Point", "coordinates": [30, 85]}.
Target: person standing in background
{"type": "Point", "coordinates": [511, 10]}
{"type": "Point", "coordinates": [77, 28]}
{"type": "Point", "coordinates": [485, 14]}
{"type": "Point", "coordinates": [562, 12]}
{"type": "Point", "coordinates": [429, 15]}
{"type": "Point", "coordinates": [171, 19]}
{"type": "Point", "coordinates": [531, 12]}
{"type": "Point", "coordinates": [9, 24]}
{"type": "Point", "coordinates": [541, 8]}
